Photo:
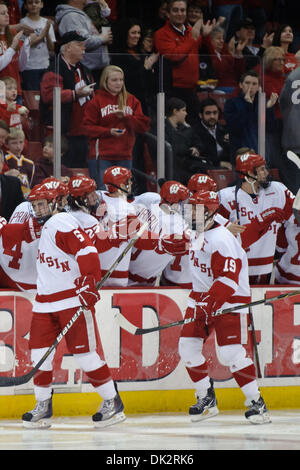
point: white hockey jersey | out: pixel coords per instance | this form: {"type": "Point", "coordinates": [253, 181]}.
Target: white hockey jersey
{"type": "Point", "coordinates": [221, 258]}
{"type": "Point", "coordinates": [178, 271]}
{"type": "Point", "coordinates": [145, 266]}
{"type": "Point", "coordinates": [117, 209]}
{"type": "Point", "coordinates": [65, 253]}
{"type": "Point", "coordinates": [287, 269]}
{"type": "Point", "coordinates": [18, 262]}
{"type": "Point", "coordinates": [261, 253]}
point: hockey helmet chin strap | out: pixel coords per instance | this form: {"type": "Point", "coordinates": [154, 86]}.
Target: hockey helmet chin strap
{"type": "Point", "coordinates": [263, 184]}
{"type": "Point", "coordinates": [129, 194]}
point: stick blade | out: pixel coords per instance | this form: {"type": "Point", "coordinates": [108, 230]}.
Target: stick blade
{"type": "Point", "coordinates": [294, 158]}
{"type": "Point", "coordinates": [124, 323]}
{"type": "Point", "coordinates": [15, 381]}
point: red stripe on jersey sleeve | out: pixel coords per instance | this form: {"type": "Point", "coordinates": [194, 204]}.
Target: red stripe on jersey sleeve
{"type": "Point", "coordinates": [226, 266]}
{"type": "Point", "coordinates": [223, 211]}
{"type": "Point", "coordinates": [72, 242]}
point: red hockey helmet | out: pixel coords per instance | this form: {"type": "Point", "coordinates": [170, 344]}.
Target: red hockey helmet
{"type": "Point", "coordinates": [44, 210]}
{"type": "Point", "coordinates": [57, 184]}
{"type": "Point", "coordinates": [248, 162]}
{"type": "Point", "coordinates": [81, 185]}
{"type": "Point", "coordinates": [174, 192]}
{"type": "Point", "coordinates": [209, 199]}
{"type": "Point", "coordinates": [114, 176]}
{"type": "Point", "coordinates": [43, 191]}
{"type": "Point", "coordinates": [201, 181]}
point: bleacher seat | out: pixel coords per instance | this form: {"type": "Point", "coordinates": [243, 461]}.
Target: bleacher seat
{"type": "Point", "coordinates": [223, 178]}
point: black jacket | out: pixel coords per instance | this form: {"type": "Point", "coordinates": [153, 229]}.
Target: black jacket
{"type": "Point", "coordinates": [58, 70]}
{"type": "Point", "coordinates": [207, 144]}
{"type": "Point", "coordinates": [11, 195]}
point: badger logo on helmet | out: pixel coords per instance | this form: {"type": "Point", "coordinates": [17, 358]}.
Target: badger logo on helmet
{"type": "Point", "coordinates": [247, 163]}
{"type": "Point", "coordinates": [82, 194]}
{"type": "Point", "coordinates": [201, 182]}
{"type": "Point", "coordinates": [118, 178]}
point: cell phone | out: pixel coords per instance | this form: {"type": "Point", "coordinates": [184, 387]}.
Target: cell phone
{"type": "Point", "coordinates": [119, 130]}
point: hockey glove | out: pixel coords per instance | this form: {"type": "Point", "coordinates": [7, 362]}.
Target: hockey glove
{"type": "Point", "coordinates": [273, 214]}
{"type": "Point", "coordinates": [174, 246]}
{"type": "Point", "coordinates": [87, 291]}
{"type": "Point", "coordinates": [206, 306]}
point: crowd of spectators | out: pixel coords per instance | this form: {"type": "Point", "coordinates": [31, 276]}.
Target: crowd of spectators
{"type": "Point", "coordinates": [111, 57]}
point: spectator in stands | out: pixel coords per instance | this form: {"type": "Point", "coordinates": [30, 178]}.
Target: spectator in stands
{"type": "Point", "coordinates": [182, 138]}
{"type": "Point", "coordinates": [162, 15]}
{"type": "Point", "coordinates": [14, 53]}
{"type": "Point", "coordinates": [233, 11]}
{"type": "Point", "coordinates": [75, 81]}
{"type": "Point", "coordinates": [11, 194]}
{"type": "Point", "coordinates": [273, 81]}
{"type": "Point", "coordinates": [15, 15]}
{"type": "Point", "coordinates": [213, 137]}
{"type": "Point", "coordinates": [290, 111]}
{"type": "Point", "coordinates": [4, 131]}
{"type": "Point", "coordinates": [11, 112]}
{"type": "Point", "coordinates": [255, 10]}
{"type": "Point", "coordinates": [227, 59]}
{"type": "Point", "coordinates": [283, 38]}
{"type": "Point", "coordinates": [179, 44]}
{"type": "Point", "coordinates": [98, 11]}
{"type": "Point", "coordinates": [241, 115]}
{"type": "Point", "coordinates": [44, 164]}
{"type": "Point", "coordinates": [194, 12]}
{"type": "Point", "coordinates": [252, 52]}
{"type": "Point", "coordinates": [71, 17]}
{"type": "Point", "coordinates": [111, 120]}
{"type": "Point", "coordinates": [41, 47]}
{"type": "Point", "coordinates": [17, 163]}
{"type": "Point", "coordinates": [126, 53]}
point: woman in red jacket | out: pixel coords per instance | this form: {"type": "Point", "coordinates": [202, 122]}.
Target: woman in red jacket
{"type": "Point", "coordinates": [111, 120]}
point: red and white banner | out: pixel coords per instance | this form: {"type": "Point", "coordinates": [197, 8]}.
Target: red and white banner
{"type": "Point", "coordinates": [151, 361]}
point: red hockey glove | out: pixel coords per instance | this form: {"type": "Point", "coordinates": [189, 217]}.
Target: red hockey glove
{"type": "Point", "coordinates": [273, 214]}
{"type": "Point", "coordinates": [205, 307]}
{"type": "Point", "coordinates": [87, 291]}
{"type": "Point", "coordinates": [174, 246]}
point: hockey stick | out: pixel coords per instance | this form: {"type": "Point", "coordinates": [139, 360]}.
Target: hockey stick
{"type": "Point", "coordinates": [294, 158]}
{"type": "Point", "coordinates": [14, 381]}
{"type": "Point", "coordinates": [134, 330]}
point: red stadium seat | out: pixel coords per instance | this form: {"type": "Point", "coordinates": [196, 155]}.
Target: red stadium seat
{"type": "Point", "coordinates": [223, 178]}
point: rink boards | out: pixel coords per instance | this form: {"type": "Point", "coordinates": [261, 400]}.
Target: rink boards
{"type": "Point", "coordinates": [150, 375]}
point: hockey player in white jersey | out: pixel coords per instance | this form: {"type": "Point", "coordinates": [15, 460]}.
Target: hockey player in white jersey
{"type": "Point", "coordinates": [220, 280]}
{"type": "Point", "coordinates": [257, 198]}
{"type": "Point", "coordinates": [287, 268]}
{"type": "Point", "coordinates": [146, 266]}
{"type": "Point", "coordinates": [123, 215]}
{"type": "Point", "coordinates": [18, 247]}
{"type": "Point", "coordinates": [68, 269]}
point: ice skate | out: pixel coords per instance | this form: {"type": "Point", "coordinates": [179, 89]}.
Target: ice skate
{"type": "Point", "coordinates": [39, 417]}
{"type": "Point", "coordinates": [205, 407]}
{"type": "Point", "coordinates": [109, 413]}
{"type": "Point", "coordinates": [258, 412]}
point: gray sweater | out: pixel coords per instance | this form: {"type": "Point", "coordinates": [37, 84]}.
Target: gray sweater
{"type": "Point", "coordinates": [70, 18]}
{"type": "Point", "coordinates": [289, 103]}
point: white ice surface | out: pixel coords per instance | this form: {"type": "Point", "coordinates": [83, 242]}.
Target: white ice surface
{"type": "Point", "coordinates": [226, 431]}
